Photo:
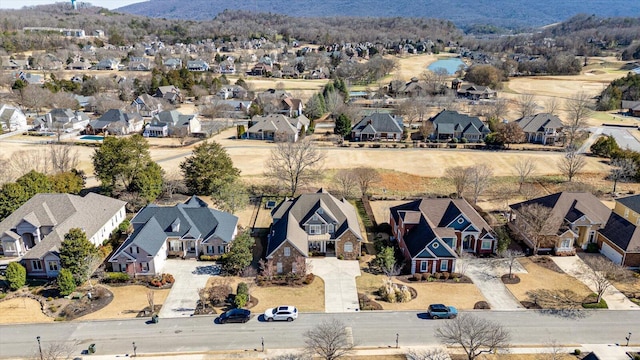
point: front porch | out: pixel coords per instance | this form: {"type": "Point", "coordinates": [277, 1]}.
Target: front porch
{"type": "Point", "coordinates": [322, 244]}
{"type": "Point", "coordinates": [185, 249]}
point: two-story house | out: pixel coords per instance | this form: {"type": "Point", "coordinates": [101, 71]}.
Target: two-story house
{"type": "Point", "coordinates": [572, 220]}
{"type": "Point", "coordinates": [37, 228]}
{"type": "Point", "coordinates": [541, 128]}
{"type": "Point", "coordinates": [12, 119]}
{"type": "Point", "coordinates": [432, 233]}
{"type": "Point", "coordinates": [184, 230]}
{"type": "Point", "coordinates": [62, 120]}
{"type": "Point", "coordinates": [316, 222]}
{"type": "Point", "coordinates": [619, 240]}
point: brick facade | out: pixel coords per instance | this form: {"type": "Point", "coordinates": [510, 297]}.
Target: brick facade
{"type": "Point", "coordinates": [278, 256]}
{"type": "Point", "coordinates": [355, 246]}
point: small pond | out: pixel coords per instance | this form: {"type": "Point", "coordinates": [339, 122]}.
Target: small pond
{"type": "Point", "coordinates": [451, 65]}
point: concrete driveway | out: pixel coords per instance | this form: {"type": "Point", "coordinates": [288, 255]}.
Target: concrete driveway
{"type": "Point", "coordinates": [190, 275]}
{"type": "Point", "coordinates": [340, 292]}
{"type": "Point", "coordinates": [623, 137]}
{"type": "Point", "coordinates": [575, 267]}
{"type": "Point", "coordinates": [486, 275]}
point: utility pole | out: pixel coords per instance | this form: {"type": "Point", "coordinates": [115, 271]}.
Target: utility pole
{"type": "Point", "coordinates": [41, 358]}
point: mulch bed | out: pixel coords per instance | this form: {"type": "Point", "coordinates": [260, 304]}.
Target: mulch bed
{"type": "Point", "coordinates": [530, 305]}
{"type": "Point", "coordinates": [100, 298]}
{"type": "Point", "coordinates": [412, 279]}
{"type": "Point", "coordinates": [210, 310]}
{"type": "Point", "coordinates": [510, 280]}
{"type": "Point", "coordinates": [285, 281]}
{"type": "Point", "coordinates": [546, 262]}
{"type": "Point", "coordinates": [367, 303]}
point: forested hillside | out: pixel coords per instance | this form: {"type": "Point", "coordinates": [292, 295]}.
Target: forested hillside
{"type": "Point", "coordinates": [505, 13]}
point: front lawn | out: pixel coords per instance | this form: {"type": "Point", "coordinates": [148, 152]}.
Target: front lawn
{"type": "Point", "coordinates": [462, 296]}
{"type": "Point", "coordinates": [630, 287]}
{"type": "Point", "coordinates": [127, 302]}
{"type": "Point", "coordinates": [548, 289]}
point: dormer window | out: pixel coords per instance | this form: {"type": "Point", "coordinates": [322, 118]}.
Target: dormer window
{"type": "Point", "coordinates": [314, 217]}
{"type": "Point", "coordinates": [460, 220]}
{"type": "Point", "coordinates": [175, 227]}
{"type": "Point", "coordinates": [320, 211]}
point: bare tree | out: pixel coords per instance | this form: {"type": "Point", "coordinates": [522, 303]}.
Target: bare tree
{"type": "Point", "coordinates": [151, 301]}
{"type": "Point", "coordinates": [267, 268]}
{"type": "Point", "coordinates": [534, 220]}
{"type": "Point", "coordinates": [571, 164]}
{"type": "Point", "coordinates": [600, 271]}
{"type": "Point", "coordinates": [365, 177]}
{"type": "Point", "coordinates": [291, 356]}
{"type": "Point", "coordinates": [552, 105]}
{"type": "Point", "coordinates": [426, 129]}
{"type": "Point", "coordinates": [172, 183]}
{"type": "Point", "coordinates": [524, 168]}
{"type": "Point", "coordinates": [511, 256]}
{"type": "Point", "coordinates": [203, 295]}
{"type": "Point", "coordinates": [64, 158]}
{"type": "Point", "coordinates": [295, 164]}
{"type": "Point", "coordinates": [498, 109]}
{"type": "Point", "coordinates": [430, 354]}
{"type": "Point", "coordinates": [527, 105]}
{"type": "Point", "coordinates": [329, 340]}
{"type": "Point", "coordinates": [621, 170]}
{"type": "Point", "coordinates": [473, 334]}
{"type": "Point", "coordinates": [578, 109]}
{"type": "Point", "coordinates": [465, 260]}
{"type": "Point", "coordinates": [24, 161]}
{"type": "Point", "coordinates": [56, 350]}
{"type": "Point", "coordinates": [459, 175]}
{"type": "Point", "coordinates": [480, 177]}
{"type": "Point", "coordinates": [346, 181]}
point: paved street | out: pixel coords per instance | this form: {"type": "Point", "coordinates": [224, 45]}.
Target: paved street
{"type": "Point", "coordinates": [190, 275]}
{"type": "Point", "coordinates": [340, 292]}
{"type": "Point", "coordinates": [623, 137]}
{"type": "Point", "coordinates": [370, 329]}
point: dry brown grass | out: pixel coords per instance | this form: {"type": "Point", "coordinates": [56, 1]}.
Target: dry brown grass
{"type": "Point", "coordinates": [308, 298]}
{"type": "Point", "coordinates": [462, 296]}
{"type": "Point", "coordinates": [22, 310]}
{"type": "Point", "coordinates": [525, 357]}
{"type": "Point", "coordinates": [127, 302]}
{"type": "Point", "coordinates": [569, 291]}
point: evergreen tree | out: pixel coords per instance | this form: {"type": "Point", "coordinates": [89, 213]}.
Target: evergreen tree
{"type": "Point", "coordinates": [75, 252]}
{"type": "Point", "coordinates": [240, 255]}
{"type": "Point", "coordinates": [343, 125]}
{"type": "Point", "coordinates": [16, 275]}
{"type": "Point", "coordinates": [208, 169]}
{"type": "Point", "coordinates": [66, 283]}
{"type": "Point", "coordinates": [12, 196]}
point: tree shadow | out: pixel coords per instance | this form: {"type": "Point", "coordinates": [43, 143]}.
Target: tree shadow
{"type": "Point", "coordinates": [562, 303]}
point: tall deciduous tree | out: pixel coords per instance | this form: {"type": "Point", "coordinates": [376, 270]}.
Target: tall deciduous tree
{"type": "Point", "coordinates": [578, 110]}
{"type": "Point", "coordinates": [240, 254]}
{"type": "Point", "coordinates": [510, 133]}
{"type": "Point", "coordinates": [474, 335]}
{"type": "Point", "coordinates": [601, 271]}
{"type": "Point", "coordinates": [533, 220]}
{"type": "Point", "coordinates": [346, 182]}
{"type": "Point", "coordinates": [459, 175]}
{"type": "Point", "coordinates": [232, 197]}
{"type": "Point", "coordinates": [365, 177]}
{"type": "Point", "coordinates": [294, 164]}
{"type": "Point", "coordinates": [75, 251]}
{"type": "Point", "coordinates": [208, 169]}
{"type": "Point", "coordinates": [328, 340]}
{"type": "Point", "coordinates": [527, 105]}
{"type": "Point", "coordinates": [524, 169]}
{"type": "Point", "coordinates": [621, 170]}
{"type": "Point", "coordinates": [480, 177]}
{"type": "Point", "coordinates": [571, 163]}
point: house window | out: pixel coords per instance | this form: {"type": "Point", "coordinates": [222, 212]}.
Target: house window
{"type": "Point", "coordinates": [279, 268]}
{"type": "Point", "coordinates": [221, 249]}
{"type": "Point", "coordinates": [435, 245]}
{"type": "Point", "coordinates": [424, 266]}
{"type": "Point", "coordinates": [314, 229]}
{"type": "Point", "coordinates": [592, 236]}
{"type": "Point", "coordinates": [36, 265]}
{"type": "Point", "coordinates": [444, 265]}
{"type": "Point", "coordinates": [294, 267]}
{"type": "Point", "coordinates": [626, 213]}
{"type": "Point", "coordinates": [348, 246]}
{"type": "Point", "coordinates": [210, 249]}
{"type": "Point", "coordinates": [287, 251]}
{"type": "Point", "coordinates": [53, 265]}
{"type": "Point", "coordinates": [314, 217]}
{"type": "Point", "coordinates": [176, 245]}
{"type": "Point", "coordinates": [330, 228]}
{"type": "Point", "coordinates": [320, 211]}
{"type": "Point", "coordinates": [460, 220]}
{"type": "Point", "coordinates": [565, 244]}
{"type": "Point", "coordinates": [134, 250]}
{"type": "Point", "coordinates": [123, 267]}
{"type": "Point", "coordinates": [144, 266]}
{"type": "Point", "coordinates": [486, 245]}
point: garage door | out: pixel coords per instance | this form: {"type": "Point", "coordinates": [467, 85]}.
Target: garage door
{"type": "Point", "coordinates": [609, 252]}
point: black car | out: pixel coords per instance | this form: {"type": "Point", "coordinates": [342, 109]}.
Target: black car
{"type": "Point", "coordinates": [235, 315]}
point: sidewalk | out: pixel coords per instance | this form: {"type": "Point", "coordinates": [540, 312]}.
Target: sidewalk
{"type": "Point", "coordinates": [485, 274]}
{"type": "Point", "coordinates": [573, 266]}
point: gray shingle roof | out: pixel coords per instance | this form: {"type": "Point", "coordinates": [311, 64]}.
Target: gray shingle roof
{"type": "Point", "coordinates": [623, 233]}
{"type": "Point", "coordinates": [63, 212]}
{"type": "Point", "coordinates": [289, 216]}
{"type": "Point", "coordinates": [632, 202]}
{"type": "Point", "coordinates": [380, 122]}
{"type": "Point", "coordinates": [153, 225]}
{"type": "Point", "coordinates": [539, 122]}
{"type": "Point", "coordinates": [461, 122]}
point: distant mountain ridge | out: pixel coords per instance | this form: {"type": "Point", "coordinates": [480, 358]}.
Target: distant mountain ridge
{"type": "Point", "coordinates": [464, 13]}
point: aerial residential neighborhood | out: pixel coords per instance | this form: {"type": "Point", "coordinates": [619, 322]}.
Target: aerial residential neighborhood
{"type": "Point", "coordinates": [178, 186]}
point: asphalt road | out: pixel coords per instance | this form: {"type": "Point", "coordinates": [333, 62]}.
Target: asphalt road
{"type": "Point", "coordinates": [369, 329]}
{"type": "Point", "coordinates": [622, 135]}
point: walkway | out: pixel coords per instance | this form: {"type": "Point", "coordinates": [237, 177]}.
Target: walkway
{"type": "Point", "coordinates": [575, 267]}
{"type": "Point", "coordinates": [190, 275]}
{"type": "Point", "coordinates": [340, 292]}
{"type": "Point", "coordinates": [485, 274]}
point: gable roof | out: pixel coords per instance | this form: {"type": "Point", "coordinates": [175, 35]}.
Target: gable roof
{"type": "Point", "coordinates": [172, 117]}
{"type": "Point", "coordinates": [379, 122]}
{"type": "Point", "coordinates": [289, 216]}
{"type": "Point", "coordinates": [114, 116]}
{"type": "Point", "coordinates": [622, 232]}
{"type": "Point", "coordinates": [62, 212]}
{"type": "Point", "coordinates": [569, 206]}
{"type": "Point", "coordinates": [273, 122]}
{"type": "Point", "coordinates": [539, 122]}
{"type": "Point", "coordinates": [461, 122]}
{"type": "Point", "coordinates": [632, 202]}
{"type": "Point", "coordinates": [154, 224]}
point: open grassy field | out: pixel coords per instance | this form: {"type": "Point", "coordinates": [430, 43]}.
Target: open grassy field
{"type": "Point", "coordinates": [22, 310]}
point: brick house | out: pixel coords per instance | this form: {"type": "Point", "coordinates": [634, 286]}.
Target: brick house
{"type": "Point", "coordinates": [431, 233]}
{"type": "Point", "coordinates": [316, 222]}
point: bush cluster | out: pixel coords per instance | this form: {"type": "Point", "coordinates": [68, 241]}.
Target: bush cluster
{"type": "Point", "coordinates": [162, 280]}
{"type": "Point", "coordinates": [242, 295]}
{"type": "Point", "coordinates": [116, 277]}
{"type": "Point", "coordinates": [393, 293]}
{"type": "Point", "coordinates": [210, 257]}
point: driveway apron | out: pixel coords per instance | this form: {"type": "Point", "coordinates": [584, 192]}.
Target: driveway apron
{"type": "Point", "coordinates": [575, 267]}
{"type": "Point", "coordinates": [485, 274]}
{"type": "Point", "coordinates": [340, 292]}
{"type": "Point", "coordinates": [190, 275]}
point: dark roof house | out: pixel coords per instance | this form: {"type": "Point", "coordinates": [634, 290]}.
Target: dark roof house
{"type": "Point", "coordinates": [378, 126]}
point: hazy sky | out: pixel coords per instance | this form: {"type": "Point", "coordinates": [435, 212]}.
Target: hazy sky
{"type": "Point", "coordinates": [109, 4]}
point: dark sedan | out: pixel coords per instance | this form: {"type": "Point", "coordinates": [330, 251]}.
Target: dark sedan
{"type": "Point", "coordinates": [235, 315]}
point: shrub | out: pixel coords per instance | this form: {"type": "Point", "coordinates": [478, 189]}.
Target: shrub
{"type": "Point", "coordinates": [446, 275]}
{"type": "Point", "coordinates": [593, 305]}
{"type": "Point", "coordinates": [241, 300]}
{"type": "Point", "coordinates": [65, 281]}
{"type": "Point", "coordinates": [16, 276]}
{"type": "Point", "coordinates": [117, 277]}
{"type": "Point", "coordinates": [577, 351]}
{"type": "Point", "coordinates": [592, 248]}
{"type": "Point", "coordinates": [426, 276]}
{"type": "Point", "coordinates": [438, 276]}
{"type": "Point", "coordinates": [168, 279]}
{"type": "Point", "coordinates": [308, 279]}
{"type": "Point", "coordinates": [210, 257]}
{"type": "Point", "coordinates": [242, 289]}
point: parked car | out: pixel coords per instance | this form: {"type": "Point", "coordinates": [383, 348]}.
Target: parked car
{"type": "Point", "coordinates": [440, 311]}
{"type": "Point", "coordinates": [235, 315]}
{"type": "Point", "coordinates": [281, 313]}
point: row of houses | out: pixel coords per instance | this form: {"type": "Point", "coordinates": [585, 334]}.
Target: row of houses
{"type": "Point", "coordinates": [431, 234]}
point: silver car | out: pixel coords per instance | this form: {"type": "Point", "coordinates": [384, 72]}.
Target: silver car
{"type": "Point", "coordinates": [281, 313]}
